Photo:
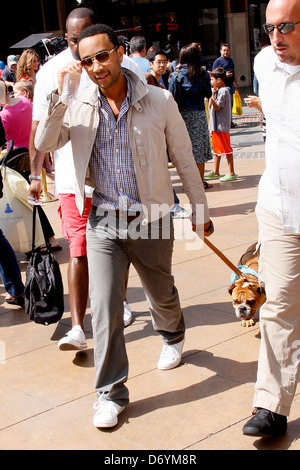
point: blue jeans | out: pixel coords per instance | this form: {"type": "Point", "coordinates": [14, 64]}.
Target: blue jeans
{"type": "Point", "coordinates": [9, 268]}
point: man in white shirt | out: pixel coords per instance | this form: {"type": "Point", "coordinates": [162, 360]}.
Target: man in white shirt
{"type": "Point", "coordinates": [73, 225]}
{"type": "Point", "coordinates": [277, 69]}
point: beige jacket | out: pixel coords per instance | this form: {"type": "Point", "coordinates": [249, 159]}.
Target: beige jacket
{"type": "Point", "coordinates": [154, 124]}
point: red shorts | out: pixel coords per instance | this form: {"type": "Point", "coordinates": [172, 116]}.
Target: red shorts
{"type": "Point", "coordinates": [221, 143]}
{"type": "Point", "coordinates": [73, 224]}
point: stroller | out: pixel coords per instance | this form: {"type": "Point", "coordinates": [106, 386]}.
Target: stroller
{"type": "Point", "coordinates": [15, 186]}
{"type": "Point", "coordinates": [17, 159]}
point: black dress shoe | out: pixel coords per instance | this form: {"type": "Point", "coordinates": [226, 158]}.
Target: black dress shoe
{"type": "Point", "coordinates": [265, 423]}
{"type": "Point", "coordinates": [19, 300]}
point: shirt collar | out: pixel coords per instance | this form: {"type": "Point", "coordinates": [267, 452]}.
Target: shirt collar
{"type": "Point", "coordinates": [284, 67]}
{"type": "Point", "coordinates": [128, 96]}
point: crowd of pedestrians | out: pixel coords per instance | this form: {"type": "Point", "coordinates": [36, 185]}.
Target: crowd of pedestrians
{"type": "Point", "coordinates": [136, 114]}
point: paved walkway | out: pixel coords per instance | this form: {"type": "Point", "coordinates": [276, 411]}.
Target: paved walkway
{"type": "Point", "coordinates": [47, 395]}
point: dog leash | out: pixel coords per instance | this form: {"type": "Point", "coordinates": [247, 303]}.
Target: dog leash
{"type": "Point", "coordinates": [223, 257]}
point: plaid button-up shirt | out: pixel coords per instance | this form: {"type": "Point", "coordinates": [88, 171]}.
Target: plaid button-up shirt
{"type": "Point", "coordinates": [111, 164]}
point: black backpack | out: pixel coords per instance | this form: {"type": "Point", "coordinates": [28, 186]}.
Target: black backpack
{"type": "Point", "coordinates": [44, 296]}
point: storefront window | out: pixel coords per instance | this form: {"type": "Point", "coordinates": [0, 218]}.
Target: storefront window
{"type": "Point", "coordinates": [258, 39]}
{"type": "Point", "coordinates": [257, 17]}
{"type": "Point", "coordinates": [208, 30]}
{"type": "Point", "coordinates": [129, 26]}
{"type": "Point", "coordinates": [170, 25]}
{"type": "Point", "coordinates": [163, 30]}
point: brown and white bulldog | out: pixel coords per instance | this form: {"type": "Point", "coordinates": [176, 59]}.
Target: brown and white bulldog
{"type": "Point", "coordinates": [248, 294]}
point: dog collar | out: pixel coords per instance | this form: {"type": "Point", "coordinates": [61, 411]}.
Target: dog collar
{"type": "Point", "coordinates": [244, 270]}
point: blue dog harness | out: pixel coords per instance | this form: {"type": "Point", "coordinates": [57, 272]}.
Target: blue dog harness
{"type": "Point", "coordinates": [244, 270]}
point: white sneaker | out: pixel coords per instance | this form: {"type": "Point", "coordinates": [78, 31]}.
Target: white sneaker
{"type": "Point", "coordinates": [170, 356]}
{"type": "Point", "coordinates": [74, 339]}
{"type": "Point", "coordinates": [177, 212]}
{"type": "Point", "coordinates": [107, 413]}
{"type": "Point", "coordinates": [127, 316]}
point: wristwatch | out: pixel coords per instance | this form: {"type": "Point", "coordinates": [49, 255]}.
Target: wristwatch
{"type": "Point", "coordinates": [34, 177]}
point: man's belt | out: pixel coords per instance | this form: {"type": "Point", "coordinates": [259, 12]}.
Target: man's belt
{"type": "Point", "coordinates": [127, 216]}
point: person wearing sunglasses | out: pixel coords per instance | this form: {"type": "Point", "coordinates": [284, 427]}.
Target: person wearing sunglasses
{"type": "Point", "coordinates": [120, 130]}
{"type": "Point", "coordinates": [73, 223]}
{"type": "Point", "coordinates": [277, 69]}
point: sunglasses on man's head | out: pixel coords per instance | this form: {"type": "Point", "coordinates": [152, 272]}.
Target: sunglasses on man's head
{"type": "Point", "coordinates": [282, 27]}
{"type": "Point", "coordinates": [102, 57]}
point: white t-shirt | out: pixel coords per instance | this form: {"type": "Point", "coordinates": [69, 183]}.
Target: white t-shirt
{"type": "Point", "coordinates": [46, 82]}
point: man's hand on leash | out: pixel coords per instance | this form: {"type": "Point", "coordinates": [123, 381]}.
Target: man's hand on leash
{"type": "Point", "coordinates": [208, 228]}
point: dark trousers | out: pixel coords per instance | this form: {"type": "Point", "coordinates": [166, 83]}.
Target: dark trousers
{"type": "Point", "coordinates": [9, 268]}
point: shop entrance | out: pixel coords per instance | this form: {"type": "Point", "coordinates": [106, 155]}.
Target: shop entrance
{"type": "Point", "coordinates": [170, 22]}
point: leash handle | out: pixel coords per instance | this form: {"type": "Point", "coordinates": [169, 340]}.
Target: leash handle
{"type": "Point", "coordinates": [223, 257]}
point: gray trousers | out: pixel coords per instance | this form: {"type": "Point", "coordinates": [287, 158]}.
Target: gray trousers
{"type": "Point", "coordinates": [112, 245]}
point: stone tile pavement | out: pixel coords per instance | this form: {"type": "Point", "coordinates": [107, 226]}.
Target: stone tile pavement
{"type": "Point", "coordinates": [47, 395]}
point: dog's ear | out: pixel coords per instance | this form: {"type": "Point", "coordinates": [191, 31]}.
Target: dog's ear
{"type": "Point", "coordinates": [261, 288]}
{"type": "Point", "coordinates": [230, 289]}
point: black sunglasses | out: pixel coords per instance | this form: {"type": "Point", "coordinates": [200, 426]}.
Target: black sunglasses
{"type": "Point", "coordinates": [283, 28]}
{"type": "Point", "coordinates": [102, 57]}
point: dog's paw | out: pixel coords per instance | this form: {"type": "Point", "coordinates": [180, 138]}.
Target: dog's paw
{"type": "Point", "coordinates": [248, 322]}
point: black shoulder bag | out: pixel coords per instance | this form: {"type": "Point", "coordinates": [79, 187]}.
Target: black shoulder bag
{"type": "Point", "coordinates": [44, 296]}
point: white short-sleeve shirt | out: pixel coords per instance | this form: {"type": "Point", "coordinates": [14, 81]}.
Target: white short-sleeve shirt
{"type": "Point", "coordinates": [279, 91]}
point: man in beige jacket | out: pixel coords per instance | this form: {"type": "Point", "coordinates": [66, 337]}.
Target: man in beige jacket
{"type": "Point", "coordinates": [120, 130]}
